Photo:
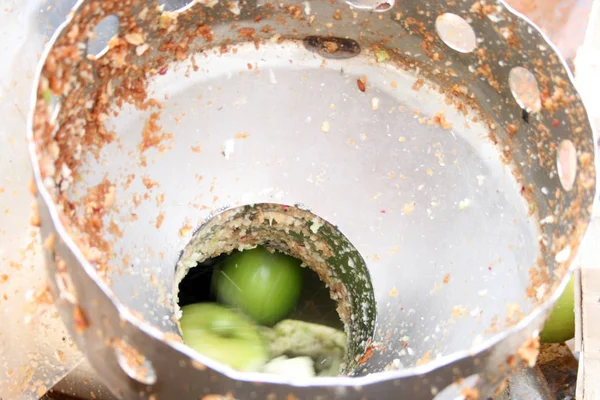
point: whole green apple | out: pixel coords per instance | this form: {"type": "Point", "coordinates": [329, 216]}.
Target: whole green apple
{"type": "Point", "coordinates": [560, 326]}
{"type": "Point", "coordinates": [265, 286]}
{"type": "Point", "coordinates": [223, 335]}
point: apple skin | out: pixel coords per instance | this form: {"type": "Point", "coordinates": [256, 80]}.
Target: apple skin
{"type": "Point", "coordinates": [263, 285]}
{"type": "Point", "coordinates": [224, 335]}
{"type": "Point", "coordinates": [560, 326]}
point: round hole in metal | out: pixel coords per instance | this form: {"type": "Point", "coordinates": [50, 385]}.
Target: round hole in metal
{"type": "Point", "coordinates": [456, 32]}
{"type": "Point", "coordinates": [175, 5]}
{"type": "Point", "coordinates": [524, 88]}
{"type": "Point", "coordinates": [372, 5]}
{"type": "Point", "coordinates": [295, 231]}
{"type": "Point", "coordinates": [98, 40]}
{"type": "Point", "coordinates": [462, 389]}
{"type": "Point", "coordinates": [566, 163]}
{"type": "Point", "coordinates": [134, 363]}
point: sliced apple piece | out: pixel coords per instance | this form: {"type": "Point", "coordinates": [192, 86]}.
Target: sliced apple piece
{"type": "Point", "coordinates": [223, 335]}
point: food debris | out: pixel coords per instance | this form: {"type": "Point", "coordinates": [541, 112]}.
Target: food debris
{"type": "Point", "coordinates": [185, 230]}
{"type": "Point", "coordinates": [368, 353]}
{"type": "Point", "coordinates": [394, 292]}
{"type": "Point", "coordinates": [408, 208]}
{"type": "Point", "coordinates": [47, 94]}
{"type": "Point", "coordinates": [35, 216]}
{"type": "Point", "coordinates": [241, 135]}
{"type": "Point", "coordinates": [228, 148]}
{"type": "Point", "coordinates": [173, 337]}
{"type": "Point", "coordinates": [511, 361]}
{"type": "Point", "coordinates": [65, 286]}
{"type": "Point", "coordinates": [469, 393]}
{"type": "Point", "coordinates": [344, 48]}
{"type": "Point", "coordinates": [216, 397]}
{"type": "Point", "coordinates": [315, 224]}
{"type": "Point", "coordinates": [381, 55]}
{"type": "Point", "coordinates": [234, 7]}
{"type": "Point", "coordinates": [198, 365]}
{"type": "Point", "coordinates": [151, 135]}
{"type": "Point", "coordinates": [425, 359]}
{"type": "Point", "coordinates": [330, 47]}
{"type": "Point", "coordinates": [49, 242]}
{"type": "Point", "coordinates": [41, 390]}
{"type": "Point", "coordinates": [60, 356]}
{"type": "Point", "coordinates": [149, 183]}
{"type": "Point", "coordinates": [247, 33]}
{"type": "Point", "coordinates": [80, 320]}
{"type": "Point", "coordinates": [464, 204]}
{"type": "Point", "coordinates": [459, 311]}
{"type": "Point", "coordinates": [529, 351]}
{"type": "Point", "coordinates": [362, 83]}
{"type": "Point", "coordinates": [439, 153]}
{"type": "Point", "coordinates": [37, 302]}
{"type": "Point", "coordinates": [440, 119]}
{"type": "Point", "coordinates": [325, 127]}
{"type": "Point", "coordinates": [197, 148]}
{"type": "Point", "coordinates": [446, 278]}
{"type": "Point", "coordinates": [141, 49]}
{"type": "Point", "coordinates": [135, 39]}
{"type": "Point", "coordinates": [418, 84]}
{"type": "Point", "coordinates": [307, 8]}
{"type": "Point", "coordinates": [563, 255]}
{"type": "Point", "coordinates": [374, 103]}
{"type": "Point", "coordinates": [513, 312]}
{"type": "Point", "coordinates": [159, 220]}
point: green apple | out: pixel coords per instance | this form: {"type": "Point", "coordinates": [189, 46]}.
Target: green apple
{"type": "Point", "coordinates": [265, 286]}
{"type": "Point", "coordinates": [560, 326]}
{"type": "Point", "coordinates": [223, 335]}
